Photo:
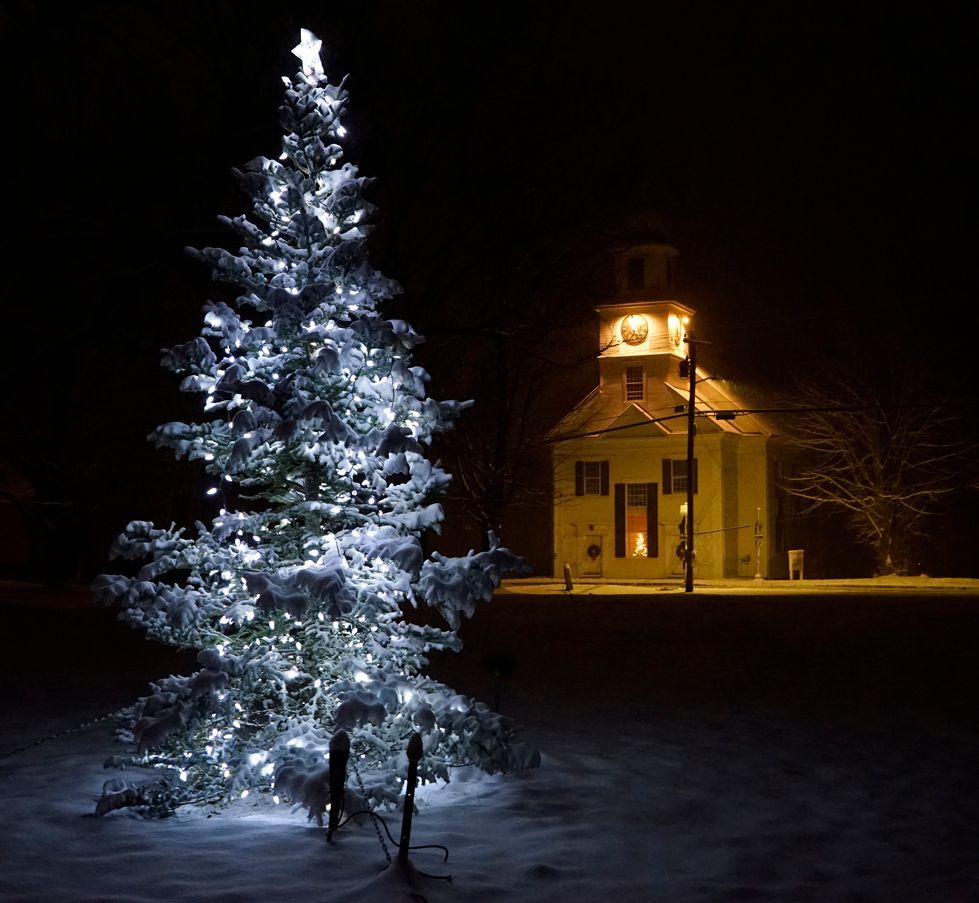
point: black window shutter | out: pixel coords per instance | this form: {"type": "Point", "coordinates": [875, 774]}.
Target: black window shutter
{"type": "Point", "coordinates": [620, 520]}
{"type": "Point", "coordinates": [694, 474]}
{"type": "Point", "coordinates": [604, 477]}
{"type": "Point", "coordinates": [579, 477]}
{"type": "Point", "coordinates": [652, 521]}
{"type": "Point", "coordinates": [667, 476]}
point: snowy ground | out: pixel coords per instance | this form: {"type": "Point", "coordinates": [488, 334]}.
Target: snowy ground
{"type": "Point", "coordinates": [723, 748]}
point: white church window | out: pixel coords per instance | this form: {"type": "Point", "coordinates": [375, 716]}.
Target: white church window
{"type": "Point", "coordinates": [635, 384]}
{"type": "Point", "coordinates": [591, 477]}
{"type": "Point", "coordinates": [636, 521]}
{"type": "Point", "coordinates": [636, 543]}
{"type": "Point", "coordinates": [680, 475]}
{"type": "Point", "coordinates": [675, 475]}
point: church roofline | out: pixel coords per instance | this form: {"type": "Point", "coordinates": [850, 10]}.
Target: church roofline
{"type": "Point", "coordinates": [627, 306]}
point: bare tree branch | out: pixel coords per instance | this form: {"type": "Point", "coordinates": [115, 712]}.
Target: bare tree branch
{"type": "Point", "coordinates": [888, 463]}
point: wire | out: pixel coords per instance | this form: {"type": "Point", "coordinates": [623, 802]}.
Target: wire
{"type": "Point", "coordinates": [71, 730]}
{"type": "Point", "coordinates": [738, 412]}
{"type": "Point", "coordinates": [363, 792]}
{"type": "Point", "coordinates": [424, 846]}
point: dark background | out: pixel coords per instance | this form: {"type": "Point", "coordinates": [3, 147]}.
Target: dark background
{"type": "Point", "coordinates": [814, 165]}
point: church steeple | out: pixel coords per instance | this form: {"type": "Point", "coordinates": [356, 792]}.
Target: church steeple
{"type": "Point", "coordinates": [645, 270]}
{"type": "Point", "coordinates": [643, 259]}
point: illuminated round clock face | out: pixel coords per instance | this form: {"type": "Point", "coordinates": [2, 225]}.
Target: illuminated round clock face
{"type": "Point", "coordinates": [634, 329]}
{"type": "Point", "coordinates": [676, 330]}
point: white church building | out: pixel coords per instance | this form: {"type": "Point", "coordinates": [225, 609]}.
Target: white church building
{"type": "Point", "coordinates": [620, 455]}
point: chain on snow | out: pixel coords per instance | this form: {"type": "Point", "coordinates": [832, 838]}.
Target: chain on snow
{"type": "Point", "coordinates": [69, 730]}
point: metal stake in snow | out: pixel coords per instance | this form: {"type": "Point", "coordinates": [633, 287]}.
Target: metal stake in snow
{"type": "Point", "coordinates": [414, 757]}
{"type": "Point", "coordinates": [339, 755]}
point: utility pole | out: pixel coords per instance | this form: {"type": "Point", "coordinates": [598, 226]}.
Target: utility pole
{"type": "Point", "coordinates": [691, 429]}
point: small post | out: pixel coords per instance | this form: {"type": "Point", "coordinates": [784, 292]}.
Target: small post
{"type": "Point", "coordinates": [568, 583]}
{"type": "Point", "coordinates": [759, 536]}
{"type": "Point", "coordinates": [339, 755]}
{"type": "Point", "coordinates": [796, 559]}
{"type": "Point", "coordinates": [414, 757]}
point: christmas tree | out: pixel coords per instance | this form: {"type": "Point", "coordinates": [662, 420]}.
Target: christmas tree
{"type": "Point", "coordinates": [314, 436]}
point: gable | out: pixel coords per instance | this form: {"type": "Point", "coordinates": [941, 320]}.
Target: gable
{"type": "Point", "coordinates": [634, 422]}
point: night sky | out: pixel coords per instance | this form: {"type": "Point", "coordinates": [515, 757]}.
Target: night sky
{"type": "Point", "coordinates": [813, 164]}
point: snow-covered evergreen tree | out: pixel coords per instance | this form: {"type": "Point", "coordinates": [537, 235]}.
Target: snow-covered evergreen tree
{"type": "Point", "coordinates": [314, 438]}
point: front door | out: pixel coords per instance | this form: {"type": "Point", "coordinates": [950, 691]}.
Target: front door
{"type": "Point", "coordinates": [590, 555]}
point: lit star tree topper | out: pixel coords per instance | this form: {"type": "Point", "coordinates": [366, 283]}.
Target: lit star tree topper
{"type": "Point", "coordinates": [308, 51]}
{"type": "Point", "coordinates": [313, 438]}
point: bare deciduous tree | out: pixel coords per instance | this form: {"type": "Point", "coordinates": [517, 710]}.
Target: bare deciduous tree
{"type": "Point", "coordinates": [886, 460]}
{"type": "Point", "coordinates": [520, 378]}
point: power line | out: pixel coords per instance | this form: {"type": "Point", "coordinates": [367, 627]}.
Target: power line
{"type": "Point", "coordinates": [731, 413]}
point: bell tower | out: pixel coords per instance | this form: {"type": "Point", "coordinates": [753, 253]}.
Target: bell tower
{"type": "Point", "coordinates": [643, 329]}
{"type": "Point", "coordinates": [645, 271]}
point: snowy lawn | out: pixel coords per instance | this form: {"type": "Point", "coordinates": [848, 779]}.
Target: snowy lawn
{"type": "Point", "coordinates": [714, 749]}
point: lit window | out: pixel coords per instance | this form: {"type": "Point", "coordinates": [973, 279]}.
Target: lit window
{"type": "Point", "coordinates": [635, 384]}
{"type": "Point", "coordinates": [636, 521]}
